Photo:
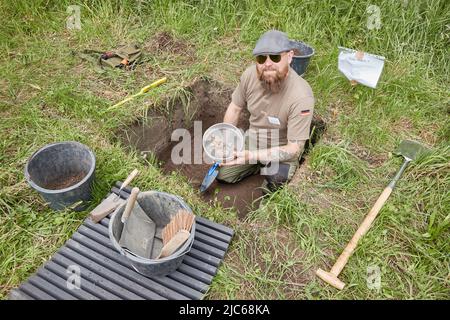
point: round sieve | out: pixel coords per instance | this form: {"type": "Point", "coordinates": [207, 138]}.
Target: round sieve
{"type": "Point", "coordinates": [221, 140]}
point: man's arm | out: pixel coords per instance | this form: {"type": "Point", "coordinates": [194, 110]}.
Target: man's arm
{"type": "Point", "coordinates": [280, 154]}
{"type": "Point", "coordinates": [275, 154]}
{"type": "Point", "coordinates": [232, 114]}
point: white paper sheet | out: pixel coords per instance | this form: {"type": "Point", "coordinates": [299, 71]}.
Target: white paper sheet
{"type": "Point", "coordinates": [365, 70]}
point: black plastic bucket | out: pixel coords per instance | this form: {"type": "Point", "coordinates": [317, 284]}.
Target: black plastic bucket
{"type": "Point", "coordinates": [62, 173]}
{"type": "Point", "coordinates": [160, 207]}
{"type": "Point", "coordinates": [302, 55]}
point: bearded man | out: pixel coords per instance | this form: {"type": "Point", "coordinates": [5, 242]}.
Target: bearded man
{"type": "Point", "coordinates": [280, 104]}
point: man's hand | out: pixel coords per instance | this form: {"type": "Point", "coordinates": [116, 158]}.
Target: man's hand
{"type": "Point", "coordinates": [242, 157]}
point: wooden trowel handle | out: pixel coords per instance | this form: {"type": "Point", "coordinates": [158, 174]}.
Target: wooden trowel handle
{"type": "Point", "coordinates": [129, 178]}
{"type": "Point", "coordinates": [130, 204]}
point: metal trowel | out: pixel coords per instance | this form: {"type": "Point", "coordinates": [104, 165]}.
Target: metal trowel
{"type": "Point", "coordinates": [138, 232]}
{"type": "Point", "coordinates": [112, 202]}
{"type": "Point", "coordinates": [210, 177]}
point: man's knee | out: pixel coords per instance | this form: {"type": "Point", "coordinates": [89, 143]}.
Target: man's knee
{"type": "Point", "coordinates": [226, 177]}
{"type": "Point", "coordinates": [282, 176]}
{"type": "Point", "coordinates": [235, 174]}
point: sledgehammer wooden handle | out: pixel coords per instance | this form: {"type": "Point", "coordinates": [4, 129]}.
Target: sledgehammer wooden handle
{"type": "Point", "coordinates": [332, 276]}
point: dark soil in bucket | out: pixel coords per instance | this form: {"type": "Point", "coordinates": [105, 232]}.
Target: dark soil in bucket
{"type": "Point", "coordinates": [207, 102]}
{"type": "Point", "coordinates": [65, 182]}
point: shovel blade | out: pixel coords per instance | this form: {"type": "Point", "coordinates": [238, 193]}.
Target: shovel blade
{"type": "Point", "coordinates": [138, 233]}
{"type": "Point", "coordinates": [410, 149]}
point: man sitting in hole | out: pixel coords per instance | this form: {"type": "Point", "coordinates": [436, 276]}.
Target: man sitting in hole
{"type": "Point", "coordinates": [281, 106]}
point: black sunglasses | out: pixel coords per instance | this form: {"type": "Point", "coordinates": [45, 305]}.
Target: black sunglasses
{"type": "Point", "coordinates": [274, 57]}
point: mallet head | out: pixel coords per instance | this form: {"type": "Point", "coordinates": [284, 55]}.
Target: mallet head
{"type": "Point", "coordinates": [330, 279]}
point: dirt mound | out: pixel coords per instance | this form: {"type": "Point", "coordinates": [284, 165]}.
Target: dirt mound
{"type": "Point", "coordinates": [165, 42]}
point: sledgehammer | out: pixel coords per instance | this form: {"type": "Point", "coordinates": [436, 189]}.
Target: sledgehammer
{"type": "Point", "coordinates": [410, 150]}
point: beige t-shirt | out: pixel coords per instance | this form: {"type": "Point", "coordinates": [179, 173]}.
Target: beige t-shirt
{"type": "Point", "coordinates": [287, 113]}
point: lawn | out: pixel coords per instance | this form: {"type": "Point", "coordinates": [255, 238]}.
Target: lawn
{"type": "Point", "coordinates": [48, 94]}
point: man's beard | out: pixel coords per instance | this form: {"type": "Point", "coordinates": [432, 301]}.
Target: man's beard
{"type": "Point", "coordinates": [272, 83]}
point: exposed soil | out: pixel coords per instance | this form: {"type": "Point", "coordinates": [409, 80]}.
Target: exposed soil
{"type": "Point", "coordinates": [243, 196]}
{"type": "Point", "coordinates": [164, 42]}
{"type": "Point", "coordinates": [66, 182]}
{"type": "Point", "coordinates": [208, 104]}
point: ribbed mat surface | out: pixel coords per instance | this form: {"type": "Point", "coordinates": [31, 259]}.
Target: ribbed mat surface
{"type": "Point", "coordinates": [106, 274]}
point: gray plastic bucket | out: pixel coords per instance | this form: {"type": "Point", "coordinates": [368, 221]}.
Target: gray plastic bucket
{"type": "Point", "coordinates": [302, 55]}
{"type": "Point", "coordinates": [160, 207]}
{"type": "Point", "coordinates": [56, 164]}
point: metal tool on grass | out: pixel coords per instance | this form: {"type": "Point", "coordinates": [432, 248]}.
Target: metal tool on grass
{"type": "Point", "coordinates": [410, 150]}
{"type": "Point", "coordinates": [143, 91]}
{"type": "Point", "coordinates": [176, 232]}
{"type": "Point", "coordinates": [139, 230]}
{"type": "Point", "coordinates": [112, 202]}
{"type": "Point", "coordinates": [220, 141]}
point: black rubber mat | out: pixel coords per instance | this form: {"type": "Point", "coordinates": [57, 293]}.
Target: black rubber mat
{"type": "Point", "coordinates": [106, 274]}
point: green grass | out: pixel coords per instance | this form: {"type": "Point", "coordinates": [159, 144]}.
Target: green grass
{"type": "Point", "coordinates": [49, 94]}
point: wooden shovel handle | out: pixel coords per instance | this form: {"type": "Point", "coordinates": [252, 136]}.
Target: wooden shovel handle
{"type": "Point", "coordinates": [363, 228]}
{"type": "Point", "coordinates": [130, 204]}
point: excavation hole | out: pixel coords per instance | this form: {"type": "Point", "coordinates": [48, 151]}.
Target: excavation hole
{"type": "Point", "coordinates": [205, 101]}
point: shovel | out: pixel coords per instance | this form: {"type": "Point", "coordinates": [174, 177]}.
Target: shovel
{"type": "Point", "coordinates": [139, 230]}
{"type": "Point", "coordinates": [410, 150]}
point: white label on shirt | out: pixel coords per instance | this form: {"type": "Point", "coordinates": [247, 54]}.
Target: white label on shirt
{"type": "Point", "coordinates": [274, 120]}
